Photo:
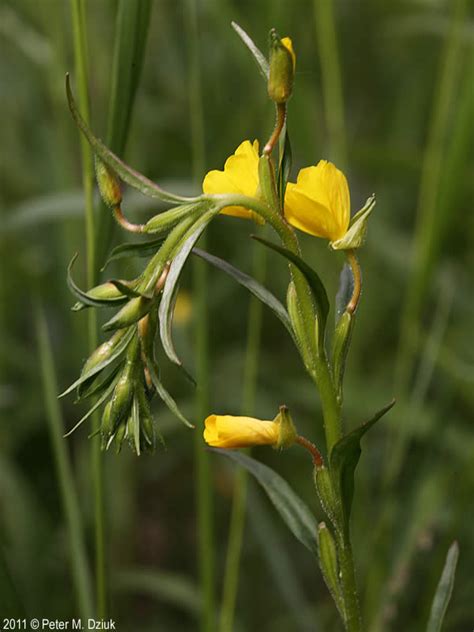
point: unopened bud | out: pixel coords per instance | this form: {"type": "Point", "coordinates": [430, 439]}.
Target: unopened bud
{"type": "Point", "coordinates": [328, 561]}
{"type": "Point", "coordinates": [286, 429]}
{"type": "Point", "coordinates": [327, 497]}
{"type": "Point", "coordinates": [266, 175]}
{"type": "Point", "coordinates": [282, 68]}
{"type": "Point", "coordinates": [163, 221]}
{"type": "Point", "coordinates": [109, 184]}
{"type": "Point", "coordinates": [135, 309]}
{"type": "Point", "coordinates": [103, 352]}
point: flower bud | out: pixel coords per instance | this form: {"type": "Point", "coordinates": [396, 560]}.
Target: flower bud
{"type": "Point", "coordinates": [327, 497]}
{"type": "Point", "coordinates": [103, 352]}
{"type": "Point", "coordinates": [132, 311]}
{"type": "Point", "coordinates": [163, 221]}
{"type": "Point", "coordinates": [109, 184]}
{"type": "Point", "coordinates": [328, 561]}
{"type": "Point", "coordinates": [340, 346]}
{"type": "Point", "coordinates": [282, 68]}
{"type": "Point", "coordinates": [286, 429]}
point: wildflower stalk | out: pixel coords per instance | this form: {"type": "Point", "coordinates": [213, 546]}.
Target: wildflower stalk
{"type": "Point", "coordinates": [80, 54]}
{"type": "Point", "coordinates": [200, 283]}
{"type": "Point", "coordinates": [239, 498]}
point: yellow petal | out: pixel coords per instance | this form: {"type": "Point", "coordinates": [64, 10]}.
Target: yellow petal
{"type": "Point", "coordinates": [226, 431]}
{"type": "Point", "coordinates": [240, 175]}
{"type": "Point", "coordinates": [319, 202]}
{"type": "Point", "coordinates": [288, 44]}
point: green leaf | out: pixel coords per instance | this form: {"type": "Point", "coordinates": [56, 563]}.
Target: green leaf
{"type": "Point", "coordinates": [444, 590]}
{"type": "Point", "coordinates": [259, 57]}
{"type": "Point", "coordinates": [163, 393]}
{"type": "Point", "coordinates": [256, 288]}
{"type": "Point", "coordinates": [117, 352]}
{"type": "Point", "coordinates": [84, 297]}
{"type": "Point", "coordinates": [344, 458]}
{"type": "Point", "coordinates": [314, 282]}
{"type": "Point", "coordinates": [168, 299]}
{"type": "Point", "coordinates": [105, 395]}
{"type": "Point", "coordinates": [295, 513]}
{"type": "Point", "coordinates": [144, 249]}
{"type": "Point", "coordinates": [127, 289]}
{"type": "Point", "coordinates": [126, 173]}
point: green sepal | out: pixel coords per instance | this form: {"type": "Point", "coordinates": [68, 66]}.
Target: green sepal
{"type": "Point", "coordinates": [354, 238]}
{"type": "Point", "coordinates": [122, 170]}
{"type": "Point", "coordinates": [282, 70]}
{"type": "Point", "coordinates": [314, 282]}
{"type": "Point", "coordinates": [127, 288]}
{"type": "Point", "coordinates": [343, 461]}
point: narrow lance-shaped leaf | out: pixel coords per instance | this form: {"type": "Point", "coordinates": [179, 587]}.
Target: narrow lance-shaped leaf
{"type": "Point", "coordinates": [163, 393]}
{"type": "Point", "coordinates": [295, 513]}
{"type": "Point", "coordinates": [118, 350]}
{"type": "Point", "coordinates": [105, 395]}
{"type": "Point", "coordinates": [256, 288]}
{"type": "Point", "coordinates": [314, 282]}
{"type": "Point", "coordinates": [126, 173]}
{"type": "Point", "coordinates": [259, 57]}
{"type": "Point", "coordinates": [168, 299]}
{"type": "Point", "coordinates": [144, 249]}
{"type": "Point", "coordinates": [85, 298]}
{"type": "Point", "coordinates": [344, 458]}
{"type": "Point", "coordinates": [444, 590]}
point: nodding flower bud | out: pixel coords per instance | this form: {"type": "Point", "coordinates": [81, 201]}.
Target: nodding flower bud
{"type": "Point", "coordinates": [109, 184]}
{"type": "Point", "coordinates": [328, 561]}
{"type": "Point", "coordinates": [282, 68]}
{"type": "Point", "coordinates": [327, 496]}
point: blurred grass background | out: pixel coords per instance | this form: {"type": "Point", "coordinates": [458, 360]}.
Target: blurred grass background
{"type": "Point", "coordinates": [408, 114]}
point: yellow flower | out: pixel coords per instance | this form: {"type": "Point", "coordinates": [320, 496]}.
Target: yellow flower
{"type": "Point", "coordinates": [240, 176]}
{"type": "Point", "coordinates": [226, 431]}
{"type": "Point", "coordinates": [319, 202]}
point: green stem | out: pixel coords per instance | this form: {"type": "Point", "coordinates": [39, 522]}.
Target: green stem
{"type": "Point", "coordinates": [80, 54]}
{"type": "Point", "coordinates": [239, 499]}
{"type": "Point", "coordinates": [204, 497]}
{"type": "Point", "coordinates": [349, 586]}
{"type": "Point", "coordinates": [70, 501]}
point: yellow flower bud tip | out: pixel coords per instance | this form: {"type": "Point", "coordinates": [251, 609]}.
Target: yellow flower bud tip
{"type": "Point", "coordinates": [282, 68]}
{"type": "Point", "coordinates": [240, 176]}
{"type": "Point", "coordinates": [226, 431]}
{"type": "Point", "coordinates": [288, 44]}
{"type": "Point", "coordinates": [319, 202]}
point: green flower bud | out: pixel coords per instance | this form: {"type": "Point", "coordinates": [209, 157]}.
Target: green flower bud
{"type": "Point", "coordinates": [340, 346]}
{"type": "Point", "coordinates": [327, 497]}
{"type": "Point", "coordinates": [282, 68]}
{"type": "Point", "coordinates": [163, 221]}
{"type": "Point", "coordinates": [109, 184]}
{"type": "Point", "coordinates": [329, 562]}
{"type": "Point", "coordinates": [132, 311]}
{"type": "Point", "coordinates": [286, 429]}
{"type": "Point", "coordinates": [103, 352]}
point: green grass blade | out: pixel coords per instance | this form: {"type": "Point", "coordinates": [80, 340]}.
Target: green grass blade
{"type": "Point", "coordinates": [444, 590]}
{"type": "Point", "coordinates": [70, 501]}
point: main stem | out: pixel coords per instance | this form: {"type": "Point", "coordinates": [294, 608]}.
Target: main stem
{"type": "Point", "coordinates": [80, 53]}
